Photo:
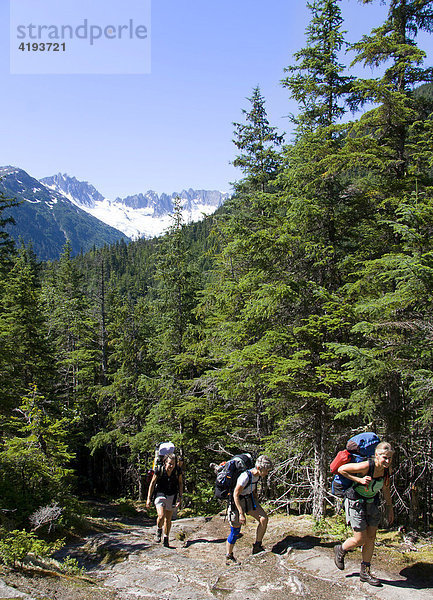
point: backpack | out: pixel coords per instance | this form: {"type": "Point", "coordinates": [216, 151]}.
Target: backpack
{"type": "Point", "coordinates": [158, 462]}
{"type": "Point", "coordinates": [358, 448]}
{"type": "Point", "coordinates": [228, 474]}
{"type": "Point", "coordinates": [161, 451]}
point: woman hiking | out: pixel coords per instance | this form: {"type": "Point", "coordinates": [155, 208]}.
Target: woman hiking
{"type": "Point", "coordinates": [168, 486]}
{"type": "Point", "coordinates": [362, 506]}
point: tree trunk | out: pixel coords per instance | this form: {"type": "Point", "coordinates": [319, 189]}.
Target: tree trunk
{"type": "Point", "coordinates": [319, 487]}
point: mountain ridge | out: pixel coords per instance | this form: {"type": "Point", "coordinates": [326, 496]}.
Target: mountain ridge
{"type": "Point", "coordinates": [59, 208]}
{"type": "Point", "coordinates": [139, 215]}
{"type": "Point", "coordinates": [46, 219]}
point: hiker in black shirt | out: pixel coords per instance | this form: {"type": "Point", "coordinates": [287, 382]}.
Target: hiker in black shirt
{"type": "Point", "coordinates": [168, 487]}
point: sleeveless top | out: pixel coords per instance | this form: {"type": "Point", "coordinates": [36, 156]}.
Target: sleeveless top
{"type": "Point", "coordinates": [376, 484]}
{"type": "Point", "coordinates": [168, 485]}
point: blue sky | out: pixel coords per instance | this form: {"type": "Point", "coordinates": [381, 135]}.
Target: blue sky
{"type": "Point", "coordinates": [172, 128]}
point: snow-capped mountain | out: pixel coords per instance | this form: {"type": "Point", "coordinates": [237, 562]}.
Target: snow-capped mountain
{"type": "Point", "coordinates": [46, 219]}
{"type": "Point", "coordinates": [141, 215]}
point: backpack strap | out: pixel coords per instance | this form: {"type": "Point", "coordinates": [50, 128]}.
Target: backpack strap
{"type": "Point", "coordinates": [250, 482]}
{"type": "Point", "coordinates": [351, 492]}
{"type": "Point", "coordinates": [371, 465]}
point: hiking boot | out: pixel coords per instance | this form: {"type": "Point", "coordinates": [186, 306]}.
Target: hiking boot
{"type": "Point", "coordinates": [158, 535]}
{"type": "Point", "coordinates": [366, 576]}
{"type": "Point", "coordinates": [230, 559]}
{"type": "Point", "coordinates": [257, 547]}
{"type": "Point", "coordinates": [165, 542]}
{"type": "Point", "coordinates": [339, 555]}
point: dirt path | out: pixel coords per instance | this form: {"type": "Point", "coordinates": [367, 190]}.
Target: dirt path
{"type": "Point", "coordinates": [129, 565]}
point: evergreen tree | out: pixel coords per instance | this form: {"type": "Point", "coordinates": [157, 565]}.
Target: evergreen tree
{"type": "Point", "coordinates": [34, 458]}
{"type": "Point", "coordinates": [74, 331]}
{"type": "Point", "coordinates": [6, 243]}
{"type": "Point", "coordinates": [258, 142]}
{"type": "Point", "coordinates": [388, 157]}
{"type": "Point", "coordinates": [317, 81]}
{"type": "Point", "coordinates": [378, 141]}
{"type": "Point", "coordinates": [26, 357]}
{"type": "Point", "coordinates": [321, 214]}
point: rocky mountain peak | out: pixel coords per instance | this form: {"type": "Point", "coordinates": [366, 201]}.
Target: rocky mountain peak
{"type": "Point", "coordinates": [81, 193]}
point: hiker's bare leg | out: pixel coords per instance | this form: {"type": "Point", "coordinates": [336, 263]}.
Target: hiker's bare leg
{"type": "Point", "coordinates": [359, 538]}
{"type": "Point", "coordinates": [167, 521]}
{"type": "Point", "coordinates": [262, 518]}
{"type": "Point", "coordinates": [160, 510]}
{"type": "Point", "coordinates": [368, 545]}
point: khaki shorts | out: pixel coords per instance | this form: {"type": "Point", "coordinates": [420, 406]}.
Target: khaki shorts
{"type": "Point", "coordinates": [166, 502]}
{"type": "Point", "coordinates": [361, 514]}
{"type": "Point", "coordinates": [233, 513]}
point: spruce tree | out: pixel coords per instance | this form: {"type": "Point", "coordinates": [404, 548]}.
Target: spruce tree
{"type": "Point", "coordinates": [317, 81]}
{"type": "Point", "coordinates": [26, 356]}
{"type": "Point", "coordinates": [320, 216]}
{"type": "Point", "coordinates": [377, 142]}
{"type": "Point", "coordinates": [388, 157]}
{"type": "Point", "coordinates": [258, 142]}
{"type": "Point", "coordinates": [74, 331]}
{"type": "Point", "coordinates": [6, 243]}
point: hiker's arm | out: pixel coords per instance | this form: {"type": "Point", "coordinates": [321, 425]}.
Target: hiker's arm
{"type": "Point", "coordinates": [237, 499]}
{"type": "Point", "coordinates": [180, 491]}
{"type": "Point", "coordinates": [388, 501]}
{"type": "Point", "coordinates": [151, 488]}
{"type": "Point", "coordinates": [356, 472]}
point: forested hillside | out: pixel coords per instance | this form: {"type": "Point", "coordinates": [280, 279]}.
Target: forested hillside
{"type": "Point", "coordinates": [298, 314]}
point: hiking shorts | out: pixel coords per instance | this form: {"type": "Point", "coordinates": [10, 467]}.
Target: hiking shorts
{"type": "Point", "coordinates": [361, 514]}
{"type": "Point", "coordinates": [167, 502]}
{"type": "Point", "coordinates": [233, 513]}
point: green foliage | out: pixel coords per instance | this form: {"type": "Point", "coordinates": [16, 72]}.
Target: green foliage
{"type": "Point", "coordinates": [26, 356]}
{"type": "Point", "coordinates": [317, 81]}
{"type": "Point", "coordinates": [70, 566]}
{"type": "Point", "coordinates": [299, 313]}
{"type": "Point", "coordinates": [334, 527]}
{"type": "Point", "coordinates": [6, 242]}
{"type": "Point", "coordinates": [258, 142]}
{"type": "Point", "coordinates": [16, 545]}
{"type": "Point", "coordinates": [33, 461]}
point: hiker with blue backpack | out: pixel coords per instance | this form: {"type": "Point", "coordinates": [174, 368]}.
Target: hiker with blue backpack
{"type": "Point", "coordinates": [361, 500]}
{"type": "Point", "coordinates": [244, 501]}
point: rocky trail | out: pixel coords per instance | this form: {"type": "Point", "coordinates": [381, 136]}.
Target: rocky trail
{"type": "Point", "coordinates": [127, 564]}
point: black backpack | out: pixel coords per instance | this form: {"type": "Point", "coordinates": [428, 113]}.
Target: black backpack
{"type": "Point", "coordinates": [228, 474]}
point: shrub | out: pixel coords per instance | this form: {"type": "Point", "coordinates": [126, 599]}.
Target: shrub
{"type": "Point", "coordinates": [17, 544]}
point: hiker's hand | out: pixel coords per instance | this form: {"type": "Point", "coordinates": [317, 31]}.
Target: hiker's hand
{"type": "Point", "coordinates": [365, 480]}
{"type": "Point", "coordinates": [148, 504]}
{"type": "Point", "coordinates": [242, 519]}
{"type": "Point", "coordinates": [390, 514]}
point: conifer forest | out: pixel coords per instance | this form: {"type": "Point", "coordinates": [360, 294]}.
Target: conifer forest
{"type": "Point", "coordinates": [297, 315]}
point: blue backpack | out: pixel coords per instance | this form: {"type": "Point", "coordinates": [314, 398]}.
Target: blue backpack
{"type": "Point", "coordinates": [359, 448]}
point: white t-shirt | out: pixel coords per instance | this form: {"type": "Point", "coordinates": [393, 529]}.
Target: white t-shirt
{"type": "Point", "coordinates": [248, 481]}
